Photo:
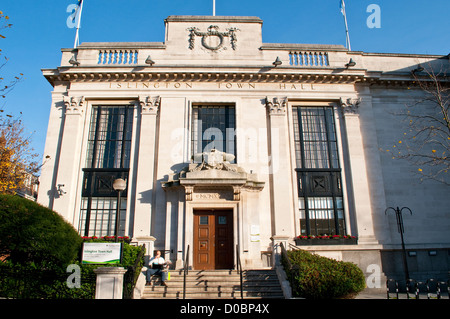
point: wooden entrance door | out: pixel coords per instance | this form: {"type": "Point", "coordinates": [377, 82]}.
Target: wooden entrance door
{"type": "Point", "coordinates": [213, 239]}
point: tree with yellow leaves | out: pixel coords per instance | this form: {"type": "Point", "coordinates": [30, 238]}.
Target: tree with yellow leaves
{"type": "Point", "coordinates": [17, 158]}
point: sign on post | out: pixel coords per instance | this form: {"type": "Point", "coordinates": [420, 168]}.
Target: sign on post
{"type": "Point", "coordinates": [101, 253]}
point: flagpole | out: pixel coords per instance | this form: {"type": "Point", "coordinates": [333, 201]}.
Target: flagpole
{"type": "Point", "coordinates": [78, 16]}
{"type": "Point", "coordinates": [214, 8]}
{"type": "Point", "coordinates": [346, 26]}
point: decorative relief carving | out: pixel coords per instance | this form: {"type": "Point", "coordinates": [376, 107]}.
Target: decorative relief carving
{"type": "Point", "coordinates": [276, 105]}
{"type": "Point", "coordinates": [212, 32]}
{"type": "Point", "coordinates": [149, 104]}
{"type": "Point", "coordinates": [188, 191]}
{"type": "Point", "coordinates": [350, 105]}
{"type": "Point", "coordinates": [213, 160]}
{"type": "Point", "coordinates": [237, 193]}
{"type": "Point", "coordinates": [74, 105]}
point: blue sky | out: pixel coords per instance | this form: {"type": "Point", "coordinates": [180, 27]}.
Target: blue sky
{"type": "Point", "coordinates": [40, 31]}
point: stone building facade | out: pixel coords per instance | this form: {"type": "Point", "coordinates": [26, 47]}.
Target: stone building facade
{"type": "Point", "coordinates": [225, 141]}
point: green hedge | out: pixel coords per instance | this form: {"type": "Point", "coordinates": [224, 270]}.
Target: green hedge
{"type": "Point", "coordinates": [37, 245]}
{"type": "Point", "coordinates": [33, 234]}
{"type": "Point", "coordinates": [323, 278]}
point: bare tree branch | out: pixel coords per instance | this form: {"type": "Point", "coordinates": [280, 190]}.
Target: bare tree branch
{"type": "Point", "coordinates": [426, 145]}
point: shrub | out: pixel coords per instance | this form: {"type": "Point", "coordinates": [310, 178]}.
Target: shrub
{"type": "Point", "coordinates": [37, 245]}
{"type": "Point", "coordinates": [33, 234]}
{"type": "Point", "coordinates": [324, 278]}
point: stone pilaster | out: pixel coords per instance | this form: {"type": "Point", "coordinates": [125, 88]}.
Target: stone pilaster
{"type": "Point", "coordinates": [70, 154]}
{"type": "Point", "coordinates": [280, 168]}
{"type": "Point", "coordinates": [351, 109]}
{"type": "Point", "coordinates": [149, 107]}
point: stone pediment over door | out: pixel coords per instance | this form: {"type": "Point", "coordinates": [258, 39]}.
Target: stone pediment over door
{"type": "Point", "coordinates": [212, 177]}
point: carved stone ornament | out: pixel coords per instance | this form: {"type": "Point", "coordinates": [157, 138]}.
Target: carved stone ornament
{"type": "Point", "coordinates": [350, 105]}
{"type": "Point", "coordinates": [212, 32]}
{"type": "Point", "coordinates": [276, 105]}
{"type": "Point", "coordinates": [74, 104]}
{"type": "Point", "coordinates": [213, 160]}
{"type": "Point", "coordinates": [149, 104]}
{"type": "Point", "coordinates": [188, 192]}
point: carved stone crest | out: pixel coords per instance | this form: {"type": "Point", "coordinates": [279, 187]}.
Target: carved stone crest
{"type": "Point", "coordinates": [208, 40]}
{"type": "Point", "coordinates": [213, 160]}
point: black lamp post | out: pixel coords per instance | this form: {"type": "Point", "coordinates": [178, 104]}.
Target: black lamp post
{"type": "Point", "coordinates": [119, 185]}
{"type": "Point", "coordinates": [401, 230]}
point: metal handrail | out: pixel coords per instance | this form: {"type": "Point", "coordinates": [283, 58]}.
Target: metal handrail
{"type": "Point", "coordinates": [239, 270]}
{"type": "Point", "coordinates": [185, 271]}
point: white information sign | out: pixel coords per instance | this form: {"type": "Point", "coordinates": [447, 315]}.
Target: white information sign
{"type": "Point", "coordinates": [101, 253]}
{"type": "Point", "coordinates": [254, 234]}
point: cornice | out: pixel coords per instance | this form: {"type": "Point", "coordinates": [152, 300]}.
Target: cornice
{"type": "Point", "coordinates": [233, 74]}
{"type": "Point", "coordinates": [281, 76]}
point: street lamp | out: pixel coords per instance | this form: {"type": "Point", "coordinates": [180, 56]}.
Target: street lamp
{"type": "Point", "coordinates": [119, 186]}
{"type": "Point", "coordinates": [401, 230]}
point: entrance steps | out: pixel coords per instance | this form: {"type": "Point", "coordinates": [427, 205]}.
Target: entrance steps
{"type": "Point", "coordinates": [216, 284]}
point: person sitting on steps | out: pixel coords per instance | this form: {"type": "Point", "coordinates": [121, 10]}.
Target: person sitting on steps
{"type": "Point", "coordinates": [158, 266]}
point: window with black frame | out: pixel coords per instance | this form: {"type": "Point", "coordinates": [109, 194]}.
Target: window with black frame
{"type": "Point", "coordinates": [108, 158]}
{"type": "Point", "coordinates": [213, 127]}
{"type": "Point", "coordinates": [318, 171]}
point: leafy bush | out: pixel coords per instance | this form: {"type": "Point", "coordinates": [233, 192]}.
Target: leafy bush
{"type": "Point", "coordinates": [323, 278]}
{"type": "Point", "coordinates": [37, 245]}
{"type": "Point", "coordinates": [33, 234]}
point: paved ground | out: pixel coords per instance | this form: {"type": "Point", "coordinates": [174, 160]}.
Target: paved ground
{"type": "Point", "coordinates": [381, 294]}
{"type": "Point", "coordinates": [372, 294]}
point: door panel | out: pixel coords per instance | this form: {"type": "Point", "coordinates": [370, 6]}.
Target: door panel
{"type": "Point", "coordinates": [213, 239]}
{"type": "Point", "coordinates": [224, 240]}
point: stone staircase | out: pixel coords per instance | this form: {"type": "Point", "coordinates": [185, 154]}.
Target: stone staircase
{"type": "Point", "coordinates": [216, 284]}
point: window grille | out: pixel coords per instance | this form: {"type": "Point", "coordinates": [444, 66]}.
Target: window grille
{"type": "Point", "coordinates": [318, 171]}
{"type": "Point", "coordinates": [213, 127]}
{"type": "Point", "coordinates": [108, 158]}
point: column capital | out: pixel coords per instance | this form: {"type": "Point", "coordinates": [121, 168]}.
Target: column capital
{"type": "Point", "coordinates": [276, 105]}
{"type": "Point", "coordinates": [350, 105]}
{"type": "Point", "coordinates": [74, 104]}
{"type": "Point", "coordinates": [149, 104]}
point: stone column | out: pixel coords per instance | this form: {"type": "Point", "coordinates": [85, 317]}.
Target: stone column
{"type": "Point", "coordinates": [69, 160]}
{"type": "Point", "coordinates": [109, 284]}
{"type": "Point", "coordinates": [146, 165]}
{"type": "Point", "coordinates": [350, 108]}
{"type": "Point", "coordinates": [280, 169]}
